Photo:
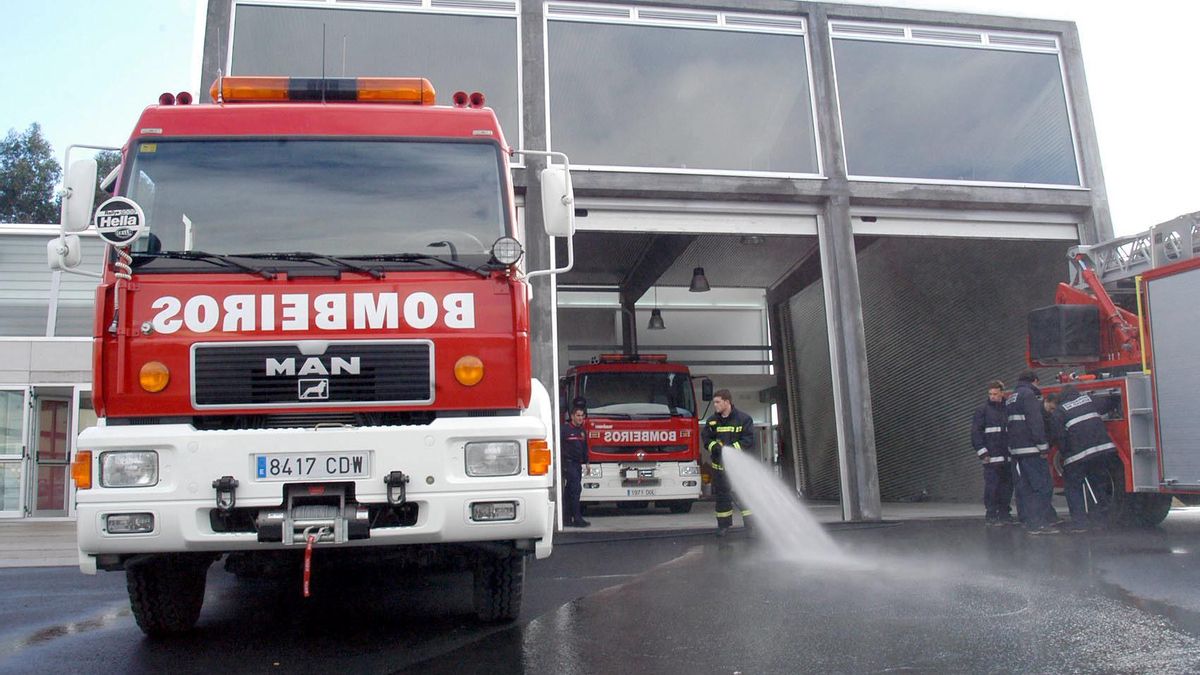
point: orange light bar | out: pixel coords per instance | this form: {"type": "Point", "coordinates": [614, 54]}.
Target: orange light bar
{"type": "Point", "coordinates": [244, 89]}
{"type": "Point", "coordinates": [81, 469]}
{"type": "Point", "coordinates": [539, 457]}
{"type": "Point", "coordinates": [396, 90]}
{"type": "Point", "coordinates": [249, 89]}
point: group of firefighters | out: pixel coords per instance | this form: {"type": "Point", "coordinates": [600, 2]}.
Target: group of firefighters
{"type": "Point", "coordinates": [1012, 433]}
{"type": "Point", "coordinates": [726, 427]}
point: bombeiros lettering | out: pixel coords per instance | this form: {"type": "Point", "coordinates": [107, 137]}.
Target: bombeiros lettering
{"type": "Point", "coordinates": [302, 312]}
{"type": "Point", "coordinates": [641, 436]}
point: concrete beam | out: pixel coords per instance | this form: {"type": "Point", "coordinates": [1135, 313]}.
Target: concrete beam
{"type": "Point", "coordinates": [656, 259]}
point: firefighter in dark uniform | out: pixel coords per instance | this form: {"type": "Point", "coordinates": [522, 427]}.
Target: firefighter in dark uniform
{"type": "Point", "coordinates": [727, 427]}
{"type": "Point", "coordinates": [990, 441]}
{"type": "Point", "coordinates": [1027, 445]}
{"type": "Point", "coordinates": [574, 456]}
{"type": "Point", "coordinates": [1086, 450]}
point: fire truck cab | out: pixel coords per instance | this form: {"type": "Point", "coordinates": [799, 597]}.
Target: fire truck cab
{"type": "Point", "coordinates": [312, 342]}
{"type": "Point", "coordinates": [642, 430]}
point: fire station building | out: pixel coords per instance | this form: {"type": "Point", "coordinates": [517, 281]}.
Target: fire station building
{"type": "Point", "coordinates": [873, 198]}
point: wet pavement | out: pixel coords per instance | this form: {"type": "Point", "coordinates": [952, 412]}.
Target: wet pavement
{"type": "Point", "coordinates": [925, 596]}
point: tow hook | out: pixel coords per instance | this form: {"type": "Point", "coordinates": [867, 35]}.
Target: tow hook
{"type": "Point", "coordinates": [397, 492]}
{"type": "Point", "coordinates": [311, 538]}
{"type": "Point", "coordinates": [226, 487]}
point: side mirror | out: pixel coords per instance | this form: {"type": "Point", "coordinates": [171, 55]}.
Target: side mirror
{"type": "Point", "coordinates": [558, 202]}
{"type": "Point", "coordinates": [79, 193]}
{"type": "Point", "coordinates": [706, 389]}
{"type": "Point", "coordinates": [64, 253]}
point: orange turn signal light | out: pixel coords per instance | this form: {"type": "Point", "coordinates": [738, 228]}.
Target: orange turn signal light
{"type": "Point", "coordinates": [468, 370]}
{"type": "Point", "coordinates": [539, 457]}
{"type": "Point", "coordinates": [154, 376]}
{"type": "Point", "coordinates": [81, 469]}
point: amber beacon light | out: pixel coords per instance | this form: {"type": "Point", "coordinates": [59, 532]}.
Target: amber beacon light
{"type": "Point", "coordinates": [246, 89]}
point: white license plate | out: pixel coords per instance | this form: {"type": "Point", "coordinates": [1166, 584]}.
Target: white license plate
{"type": "Point", "coordinates": [310, 465]}
{"type": "Point", "coordinates": [640, 492]}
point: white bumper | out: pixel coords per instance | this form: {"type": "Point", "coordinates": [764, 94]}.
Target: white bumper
{"type": "Point", "coordinates": [431, 455]}
{"type": "Point", "coordinates": [666, 483]}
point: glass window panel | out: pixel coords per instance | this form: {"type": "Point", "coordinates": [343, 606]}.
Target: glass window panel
{"type": "Point", "coordinates": [52, 431]}
{"type": "Point", "coordinates": [456, 52]}
{"type": "Point", "coordinates": [52, 488]}
{"type": "Point", "coordinates": [953, 113]}
{"type": "Point", "coordinates": [11, 405]}
{"type": "Point", "coordinates": [10, 486]}
{"type": "Point", "coordinates": [646, 96]}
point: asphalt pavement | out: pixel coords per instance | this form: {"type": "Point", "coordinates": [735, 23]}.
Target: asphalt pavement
{"type": "Point", "coordinates": [925, 595]}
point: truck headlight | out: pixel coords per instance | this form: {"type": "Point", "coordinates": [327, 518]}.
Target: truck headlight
{"type": "Point", "coordinates": [689, 470]}
{"type": "Point", "coordinates": [129, 468]}
{"type": "Point", "coordinates": [594, 471]}
{"type": "Point", "coordinates": [493, 458]}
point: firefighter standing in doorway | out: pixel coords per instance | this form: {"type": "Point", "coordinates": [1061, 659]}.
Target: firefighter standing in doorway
{"type": "Point", "coordinates": [727, 427]}
{"type": "Point", "coordinates": [990, 441]}
{"type": "Point", "coordinates": [574, 456]}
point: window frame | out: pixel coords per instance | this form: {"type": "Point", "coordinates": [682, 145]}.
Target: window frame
{"type": "Point", "coordinates": [693, 19]}
{"type": "Point", "coordinates": [962, 37]}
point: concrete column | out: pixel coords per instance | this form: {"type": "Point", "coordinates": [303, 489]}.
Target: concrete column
{"type": "Point", "coordinates": [538, 251]}
{"type": "Point", "coordinates": [843, 301]}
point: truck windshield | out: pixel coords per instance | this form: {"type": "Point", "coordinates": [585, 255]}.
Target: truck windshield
{"type": "Point", "coordinates": [336, 197]}
{"type": "Point", "coordinates": [638, 394]}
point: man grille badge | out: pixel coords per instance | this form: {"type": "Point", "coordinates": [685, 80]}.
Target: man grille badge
{"type": "Point", "coordinates": [313, 390]}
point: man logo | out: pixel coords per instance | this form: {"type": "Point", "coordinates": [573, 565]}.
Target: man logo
{"type": "Point", "coordinates": [313, 390]}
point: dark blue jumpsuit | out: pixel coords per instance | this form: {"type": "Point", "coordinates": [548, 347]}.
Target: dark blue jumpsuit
{"type": "Point", "coordinates": [1086, 450]}
{"type": "Point", "coordinates": [990, 441]}
{"type": "Point", "coordinates": [574, 456]}
{"type": "Point", "coordinates": [1027, 444]}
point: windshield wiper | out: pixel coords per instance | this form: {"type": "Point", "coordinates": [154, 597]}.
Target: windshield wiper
{"type": "Point", "coordinates": [420, 258]}
{"type": "Point", "coordinates": [375, 272]}
{"type": "Point", "coordinates": [214, 258]}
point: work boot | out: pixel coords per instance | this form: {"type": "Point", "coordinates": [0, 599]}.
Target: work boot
{"type": "Point", "coordinates": [721, 531]}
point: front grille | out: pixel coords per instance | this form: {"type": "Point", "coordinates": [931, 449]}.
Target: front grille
{"type": "Point", "coordinates": [278, 374]}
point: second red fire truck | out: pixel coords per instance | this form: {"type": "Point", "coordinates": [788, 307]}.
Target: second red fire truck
{"type": "Point", "coordinates": [642, 429]}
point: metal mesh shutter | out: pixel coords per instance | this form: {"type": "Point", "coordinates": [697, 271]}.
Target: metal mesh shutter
{"type": "Point", "coordinates": [942, 317]}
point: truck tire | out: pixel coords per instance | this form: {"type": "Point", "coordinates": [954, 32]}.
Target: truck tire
{"type": "Point", "coordinates": [166, 593]}
{"type": "Point", "coordinates": [1134, 509]}
{"type": "Point", "coordinates": [680, 506]}
{"type": "Point", "coordinates": [498, 584]}
{"type": "Point", "coordinates": [1150, 508]}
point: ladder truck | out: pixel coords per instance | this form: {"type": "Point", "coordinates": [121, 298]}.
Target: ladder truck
{"type": "Point", "coordinates": [1125, 326]}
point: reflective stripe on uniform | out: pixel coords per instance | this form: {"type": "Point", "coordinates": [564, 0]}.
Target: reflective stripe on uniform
{"type": "Point", "coordinates": [1023, 451]}
{"type": "Point", "coordinates": [747, 512]}
{"type": "Point", "coordinates": [725, 514]}
{"type": "Point", "coordinates": [1016, 418]}
{"type": "Point", "coordinates": [718, 467]}
{"type": "Point", "coordinates": [992, 430]}
{"type": "Point", "coordinates": [731, 428]}
{"type": "Point", "coordinates": [1089, 416]}
{"type": "Point", "coordinates": [981, 452]}
{"type": "Point", "coordinates": [995, 460]}
{"type": "Point", "coordinates": [1089, 452]}
{"type": "Point", "coordinates": [737, 445]}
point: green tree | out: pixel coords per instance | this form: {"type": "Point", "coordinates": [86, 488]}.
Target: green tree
{"type": "Point", "coordinates": [28, 175]}
{"type": "Point", "coordinates": [106, 161]}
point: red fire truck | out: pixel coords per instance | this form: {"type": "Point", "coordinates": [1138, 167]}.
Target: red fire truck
{"type": "Point", "coordinates": [312, 333]}
{"type": "Point", "coordinates": [642, 429]}
{"type": "Point", "coordinates": [1126, 324]}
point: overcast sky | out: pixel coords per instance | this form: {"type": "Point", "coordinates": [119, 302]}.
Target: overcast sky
{"type": "Point", "coordinates": [84, 70]}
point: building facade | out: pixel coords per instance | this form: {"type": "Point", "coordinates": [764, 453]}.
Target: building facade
{"type": "Point", "coordinates": [877, 196]}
